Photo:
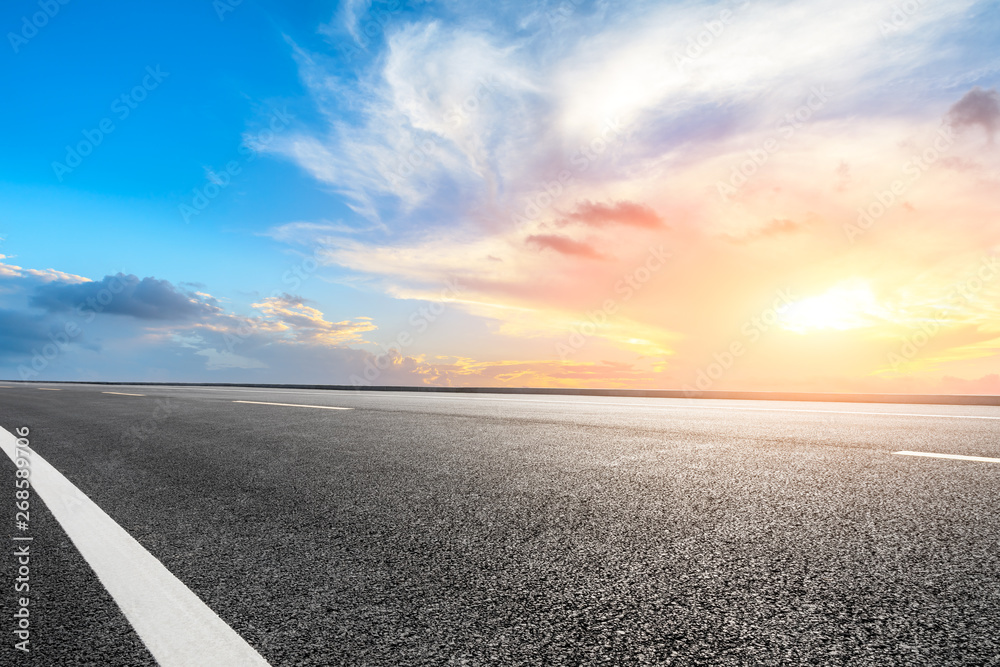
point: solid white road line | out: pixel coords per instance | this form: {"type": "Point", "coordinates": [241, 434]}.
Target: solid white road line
{"type": "Point", "coordinates": [295, 405]}
{"type": "Point", "coordinates": [120, 393]}
{"type": "Point", "coordinates": [176, 626]}
{"type": "Point", "coordinates": [958, 457]}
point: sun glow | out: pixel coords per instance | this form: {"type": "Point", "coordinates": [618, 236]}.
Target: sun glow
{"type": "Point", "coordinates": [847, 305]}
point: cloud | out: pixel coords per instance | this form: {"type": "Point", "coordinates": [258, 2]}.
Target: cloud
{"type": "Point", "coordinates": [465, 372]}
{"type": "Point", "coordinates": [144, 299]}
{"type": "Point", "coordinates": [460, 119]}
{"type": "Point", "coordinates": [621, 212]}
{"type": "Point", "coordinates": [415, 132]}
{"type": "Point", "coordinates": [308, 232]}
{"type": "Point", "coordinates": [977, 107]}
{"type": "Point", "coordinates": [20, 333]}
{"type": "Point", "coordinates": [351, 11]}
{"type": "Point", "coordinates": [289, 340]}
{"type": "Point", "coordinates": [563, 245]}
{"type": "Point", "coordinates": [451, 133]}
{"type": "Point", "coordinates": [288, 316]}
{"type": "Point", "coordinates": [452, 140]}
{"type": "Point", "coordinates": [42, 275]}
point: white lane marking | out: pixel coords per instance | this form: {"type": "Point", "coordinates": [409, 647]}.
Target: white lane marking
{"type": "Point", "coordinates": [176, 626]}
{"type": "Point", "coordinates": [120, 393]}
{"type": "Point", "coordinates": [290, 393]}
{"type": "Point", "coordinates": [47, 389]}
{"type": "Point", "coordinates": [959, 457]}
{"type": "Point", "coordinates": [508, 397]}
{"type": "Point", "coordinates": [259, 391]}
{"type": "Point", "coordinates": [295, 405]}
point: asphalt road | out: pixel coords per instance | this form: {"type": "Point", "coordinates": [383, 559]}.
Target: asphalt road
{"type": "Point", "coordinates": [435, 529]}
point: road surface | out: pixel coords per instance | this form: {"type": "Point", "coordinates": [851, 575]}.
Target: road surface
{"type": "Point", "coordinates": [441, 529]}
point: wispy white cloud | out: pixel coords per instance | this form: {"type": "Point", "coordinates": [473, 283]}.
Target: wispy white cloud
{"type": "Point", "coordinates": [456, 136]}
{"type": "Point", "coordinates": [42, 275]}
{"type": "Point", "coordinates": [487, 115]}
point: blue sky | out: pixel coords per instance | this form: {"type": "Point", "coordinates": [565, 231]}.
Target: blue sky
{"type": "Point", "coordinates": [220, 77]}
{"type": "Point", "coordinates": [389, 151]}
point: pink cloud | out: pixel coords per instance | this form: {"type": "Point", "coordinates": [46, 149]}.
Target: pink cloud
{"type": "Point", "coordinates": [620, 212]}
{"type": "Point", "coordinates": [563, 245]}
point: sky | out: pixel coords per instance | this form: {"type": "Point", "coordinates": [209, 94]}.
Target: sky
{"type": "Point", "coordinates": [766, 196]}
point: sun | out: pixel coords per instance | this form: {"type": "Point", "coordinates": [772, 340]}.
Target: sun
{"type": "Point", "coordinates": [850, 304]}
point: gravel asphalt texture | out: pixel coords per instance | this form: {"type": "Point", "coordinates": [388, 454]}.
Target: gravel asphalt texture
{"type": "Point", "coordinates": [436, 529]}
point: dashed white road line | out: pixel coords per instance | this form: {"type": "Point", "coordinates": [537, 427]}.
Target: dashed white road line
{"type": "Point", "coordinates": [513, 397]}
{"type": "Point", "coordinates": [502, 397]}
{"type": "Point", "coordinates": [120, 393]}
{"type": "Point", "coordinates": [47, 389]}
{"type": "Point", "coordinates": [176, 626]}
{"type": "Point", "coordinates": [958, 457]}
{"type": "Point", "coordinates": [508, 397]}
{"type": "Point", "coordinates": [295, 405]}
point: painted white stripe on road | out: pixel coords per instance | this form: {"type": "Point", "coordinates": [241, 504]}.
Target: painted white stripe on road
{"type": "Point", "coordinates": [176, 626]}
{"type": "Point", "coordinates": [431, 396]}
{"type": "Point", "coordinates": [295, 405]}
{"type": "Point", "coordinates": [318, 392]}
{"type": "Point", "coordinates": [512, 397]}
{"type": "Point", "coordinates": [120, 393]}
{"type": "Point", "coordinates": [958, 457]}
{"type": "Point", "coordinates": [47, 389]}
